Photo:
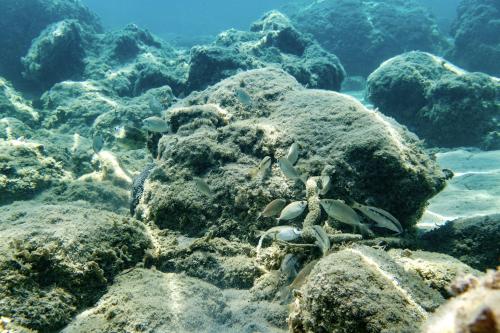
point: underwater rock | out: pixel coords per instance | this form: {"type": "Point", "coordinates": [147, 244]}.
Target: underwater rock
{"type": "Point", "coordinates": [58, 259]}
{"type": "Point", "coordinates": [131, 61]}
{"type": "Point", "coordinates": [441, 103]}
{"type": "Point", "coordinates": [365, 33]}
{"type": "Point", "coordinates": [22, 21]}
{"type": "Point", "coordinates": [151, 301]}
{"type": "Point", "coordinates": [474, 309]}
{"type": "Point", "coordinates": [224, 263]}
{"type": "Point", "coordinates": [477, 41]}
{"type": "Point", "coordinates": [56, 55]}
{"type": "Point", "coordinates": [272, 41]}
{"type": "Point", "coordinates": [12, 104]}
{"type": "Point", "coordinates": [25, 170]}
{"type": "Point", "coordinates": [370, 158]}
{"type": "Point", "coordinates": [438, 270]}
{"type": "Point", "coordinates": [360, 289]}
{"type": "Point", "coordinates": [146, 299]}
{"type": "Point", "coordinates": [473, 240]}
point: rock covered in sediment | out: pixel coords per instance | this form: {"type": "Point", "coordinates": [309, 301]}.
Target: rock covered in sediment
{"type": "Point", "coordinates": [57, 259]}
{"type": "Point", "coordinates": [26, 169]}
{"type": "Point", "coordinates": [472, 240]}
{"type": "Point", "coordinates": [261, 113]}
{"type": "Point", "coordinates": [360, 289]}
{"type": "Point", "coordinates": [131, 61]}
{"type": "Point", "coordinates": [365, 33]}
{"type": "Point", "coordinates": [147, 299]}
{"type": "Point", "coordinates": [438, 270]}
{"type": "Point", "coordinates": [152, 301]}
{"type": "Point", "coordinates": [476, 40]}
{"type": "Point", "coordinates": [56, 54]}
{"type": "Point", "coordinates": [272, 41]}
{"type": "Point", "coordinates": [13, 104]}
{"type": "Point", "coordinates": [474, 309]}
{"type": "Point", "coordinates": [23, 21]}
{"type": "Point", "coordinates": [441, 103]}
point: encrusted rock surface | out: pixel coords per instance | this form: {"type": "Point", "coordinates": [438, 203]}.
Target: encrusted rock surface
{"type": "Point", "coordinates": [477, 41]}
{"type": "Point", "coordinates": [443, 104]}
{"type": "Point", "coordinates": [58, 259]}
{"type": "Point", "coordinates": [360, 289]}
{"type": "Point", "coordinates": [369, 157]}
{"type": "Point", "coordinates": [365, 33]}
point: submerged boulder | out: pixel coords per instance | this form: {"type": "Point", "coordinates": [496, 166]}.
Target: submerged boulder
{"type": "Point", "coordinates": [56, 54]}
{"type": "Point", "coordinates": [22, 21]}
{"type": "Point", "coordinates": [360, 289]}
{"type": "Point", "coordinates": [472, 240]}
{"type": "Point", "coordinates": [25, 170]}
{"type": "Point", "coordinates": [131, 61]}
{"type": "Point", "coordinates": [441, 103]}
{"type": "Point", "coordinates": [222, 134]}
{"type": "Point", "coordinates": [272, 41]}
{"type": "Point", "coordinates": [55, 260]}
{"type": "Point", "coordinates": [477, 41]}
{"type": "Point", "coordinates": [365, 33]}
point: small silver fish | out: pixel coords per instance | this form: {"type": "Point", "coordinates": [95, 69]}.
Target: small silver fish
{"type": "Point", "coordinates": [382, 218]}
{"type": "Point", "coordinates": [155, 105]}
{"type": "Point", "coordinates": [289, 171]}
{"type": "Point", "coordinates": [202, 186]}
{"type": "Point", "coordinates": [262, 168]}
{"type": "Point", "coordinates": [322, 239]}
{"type": "Point", "coordinates": [339, 211]}
{"type": "Point", "coordinates": [273, 208]}
{"type": "Point", "coordinates": [289, 266]}
{"type": "Point", "coordinates": [97, 143]}
{"type": "Point", "coordinates": [243, 97]}
{"type": "Point", "coordinates": [155, 124]}
{"type": "Point", "coordinates": [284, 233]}
{"type": "Point", "coordinates": [292, 211]}
{"type": "Point", "coordinates": [326, 184]}
{"type": "Point", "coordinates": [293, 153]}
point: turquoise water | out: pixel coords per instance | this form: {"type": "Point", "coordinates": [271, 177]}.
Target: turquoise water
{"type": "Point", "coordinates": [249, 166]}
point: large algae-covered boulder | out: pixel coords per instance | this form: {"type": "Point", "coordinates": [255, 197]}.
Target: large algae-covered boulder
{"type": "Point", "coordinates": [23, 20]}
{"type": "Point", "coordinates": [272, 41]}
{"type": "Point", "coordinates": [131, 61]}
{"type": "Point", "coordinates": [146, 299]}
{"type": "Point", "coordinates": [477, 41]}
{"type": "Point", "coordinates": [472, 240]}
{"type": "Point", "coordinates": [57, 259]}
{"type": "Point", "coordinates": [365, 33]}
{"type": "Point", "coordinates": [152, 301]}
{"type": "Point", "coordinates": [223, 133]}
{"type": "Point", "coordinates": [56, 54]}
{"type": "Point", "coordinates": [25, 170]}
{"type": "Point", "coordinates": [441, 103]}
{"type": "Point", "coordinates": [438, 270]}
{"type": "Point", "coordinates": [360, 289]}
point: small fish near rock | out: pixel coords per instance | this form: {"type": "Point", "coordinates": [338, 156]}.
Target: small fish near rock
{"type": "Point", "coordinates": [97, 143]}
{"type": "Point", "coordinates": [156, 124]}
{"type": "Point", "coordinates": [289, 170]}
{"type": "Point", "coordinates": [283, 233]}
{"type": "Point", "coordinates": [203, 187]}
{"type": "Point", "coordinates": [293, 210]}
{"type": "Point", "coordinates": [262, 168]}
{"type": "Point", "coordinates": [273, 208]}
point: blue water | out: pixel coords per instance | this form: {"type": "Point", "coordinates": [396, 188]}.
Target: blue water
{"type": "Point", "coordinates": [189, 18]}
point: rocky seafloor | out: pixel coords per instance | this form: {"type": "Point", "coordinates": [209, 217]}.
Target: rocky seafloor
{"type": "Point", "coordinates": [110, 224]}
